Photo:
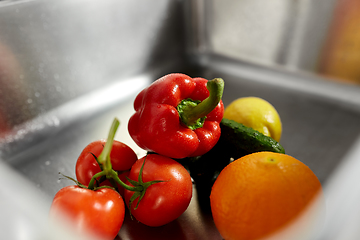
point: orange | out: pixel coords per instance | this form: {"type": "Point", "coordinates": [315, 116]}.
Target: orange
{"type": "Point", "coordinates": [260, 193]}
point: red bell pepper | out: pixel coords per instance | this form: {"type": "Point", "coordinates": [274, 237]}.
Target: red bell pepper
{"type": "Point", "coordinates": [178, 116]}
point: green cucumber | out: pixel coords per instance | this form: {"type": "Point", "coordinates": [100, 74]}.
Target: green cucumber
{"type": "Point", "coordinates": [246, 139]}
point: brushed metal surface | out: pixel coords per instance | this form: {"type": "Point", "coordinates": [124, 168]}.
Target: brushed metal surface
{"type": "Point", "coordinates": [67, 68]}
{"type": "Point", "coordinates": [55, 51]}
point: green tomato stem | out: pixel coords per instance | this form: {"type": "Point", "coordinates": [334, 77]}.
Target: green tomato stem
{"type": "Point", "coordinates": [92, 181]}
{"type": "Point", "coordinates": [139, 187]}
{"type": "Point", "coordinates": [192, 113]}
{"type": "Point", "coordinates": [114, 176]}
{"type": "Point", "coordinates": [105, 162]}
{"type": "Point", "coordinates": [104, 157]}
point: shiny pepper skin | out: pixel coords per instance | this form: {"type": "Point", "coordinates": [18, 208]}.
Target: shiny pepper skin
{"type": "Point", "coordinates": [156, 125]}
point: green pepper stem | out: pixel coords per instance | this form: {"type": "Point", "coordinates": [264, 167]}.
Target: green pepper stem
{"type": "Point", "coordinates": [190, 114]}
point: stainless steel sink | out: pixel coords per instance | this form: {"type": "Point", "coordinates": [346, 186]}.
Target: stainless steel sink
{"type": "Point", "coordinates": [67, 68]}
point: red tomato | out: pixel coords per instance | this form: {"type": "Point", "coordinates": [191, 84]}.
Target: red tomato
{"type": "Point", "coordinates": [165, 201]}
{"type": "Point", "coordinates": [99, 212]}
{"type": "Point", "coordinates": [122, 158]}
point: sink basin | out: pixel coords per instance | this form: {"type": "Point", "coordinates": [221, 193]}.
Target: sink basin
{"type": "Point", "coordinates": [66, 73]}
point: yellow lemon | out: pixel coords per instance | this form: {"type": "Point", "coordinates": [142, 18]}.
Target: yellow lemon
{"type": "Point", "coordinates": [256, 113]}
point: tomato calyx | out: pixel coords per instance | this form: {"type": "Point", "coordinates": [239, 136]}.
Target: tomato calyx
{"type": "Point", "coordinates": [140, 183]}
{"type": "Point", "coordinates": [102, 177]}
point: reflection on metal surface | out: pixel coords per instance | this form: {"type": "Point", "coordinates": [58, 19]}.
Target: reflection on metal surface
{"type": "Point", "coordinates": [254, 31]}
{"type": "Point", "coordinates": [39, 129]}
{"type": "Point", "coordinates": [52, 52]}
{"type": "Point", "coordinates": [26, 210]}
{"type": "Point", "coordinates": [12, 86]}
{"type": "Point", "coordinates": [284, 33]}
{"type": "Point", "coordinates": [66, 72]}
{"type": "Point", "coordinates": [343, 196]}
{"type": "Point", "coordinates": [291, 34]}
{"type": "Point", "coordinates": [341, 54]}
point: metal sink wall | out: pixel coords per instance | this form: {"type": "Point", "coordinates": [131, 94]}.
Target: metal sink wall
{"type": "Point", "coordinates": [68, 68]}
